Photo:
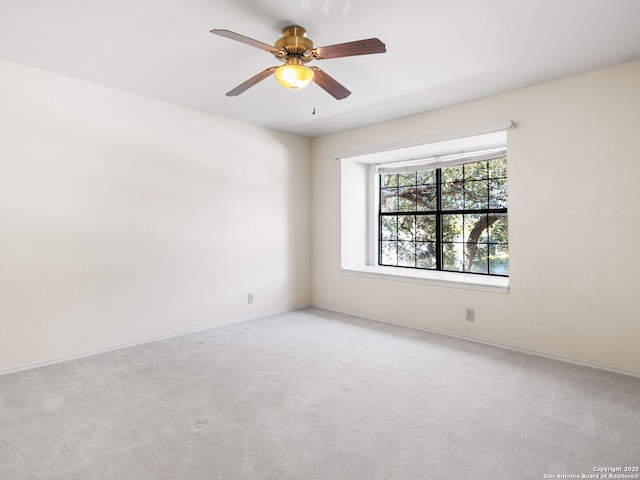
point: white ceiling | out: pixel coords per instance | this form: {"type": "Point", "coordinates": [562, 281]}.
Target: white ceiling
{"type": "Point", "coordinates": [439, 52]}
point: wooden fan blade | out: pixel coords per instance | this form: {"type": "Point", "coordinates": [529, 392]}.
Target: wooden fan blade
{"type": "Point", "coordinates": [350, 49]}
{"type": "Point", "coordinates": [251, 82]}
{"type": "Point", "coordinates": [329, 84]}
{"type": "Point", "coordinates": [246, 40]}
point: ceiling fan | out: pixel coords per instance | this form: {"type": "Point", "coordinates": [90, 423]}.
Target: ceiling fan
{"type": "Point", "coordinates": [295, 49]}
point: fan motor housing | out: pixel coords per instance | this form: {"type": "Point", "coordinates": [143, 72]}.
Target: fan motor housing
{"type": "Point", "coordinates": [295, 43]}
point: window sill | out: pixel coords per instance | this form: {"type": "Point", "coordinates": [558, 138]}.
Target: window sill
{"type": "Point", "coordinates": [430, 277]}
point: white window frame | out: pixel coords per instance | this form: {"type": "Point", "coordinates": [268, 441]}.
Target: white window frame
{"type": "Point", "coordinates": [359, 206]}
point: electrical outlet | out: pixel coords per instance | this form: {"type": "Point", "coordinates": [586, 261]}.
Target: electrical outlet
{"type": "Point", "coordinates": [470, 315]}
{"type": "Point", "coordinates": [249, 297]}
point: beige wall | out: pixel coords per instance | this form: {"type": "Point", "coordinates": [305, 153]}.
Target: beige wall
{"type": "Point", "coordinates": [574, 223]}
{"type": "Point", "coordinates": [124, 218]}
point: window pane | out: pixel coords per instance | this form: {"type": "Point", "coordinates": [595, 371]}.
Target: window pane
{"type": "Point", "coordinates": [498, 259]}
{"type": "Point", "coordinates": [498, 193]}
{"type": "Point", "coordinates": [406, 227]}
{"type": "Point", "coordinates": [426, 198]}
{"type": "Point", "coordinates": [389, 180]}
{"type": "Point", "coordinates": [469, 237]}
{"type": "Point", "coordinates": [425, 177]}
{"type": "Point", "coordinates": [498, 228]}
{"type": "Point", "coordinates": [407, 179]}
{"type": "Point", "coordinates": [452, 174]}
{"type": "Point", "coordinates": [475, 228]}
{"type": "Point", "coordinates": [476, 258]}
{"type": "Point", "coordinates": [452, 196]}
{"type": "Point", "coordinates": [407, 199]}
{"type": "Point", "coordinates": [389, 200]}
{"type": "Point", "coordinates": [476, 195]}
{"type": "Point", "coordinates": [389, 227]}
{"type": "Point", "coordinates": [498, 168]}
{"type": "Point", "coordinates": [426, 255]}
{"type": "Point", "coordinates": [406, 254]}
{"type": "Point", "coordinates": [426, 228]}
{"type": "Point", "coordinates": [388, 253]}
{"type": "Point", "coordinates": [452, 256]}
{"type": "Point", "coordinates": [452, 228]}
{"type": "Point", "coordinates": [475, 171]}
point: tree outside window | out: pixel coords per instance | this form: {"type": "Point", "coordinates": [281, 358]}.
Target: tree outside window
{"type": "Point", "coordinates": [450, 218]}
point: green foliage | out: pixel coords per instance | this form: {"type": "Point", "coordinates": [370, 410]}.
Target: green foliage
{"type": "Point", "coordinates": [426, 177]}
{"type": "Point", "coordinates": [498, 193]}
{"type": "Point", "coordinates": [476, 171]}
{"type": "Point", "coordinates": [499, 229]}
{"type": "Point", "coordinates": [471, 242]}
{"type": "Point", "coordinates": [452, 196]}
{"type": "Point", "coordinates": [389, 228]}
{"type": "Point", "coordinates": [498, 167]}
{"type": "Point", "coordinates": [426, 228]}
{"type": "Point", "coordinates": [406, 179]}
{"type": "Point", "coordinates": [426, 198]}
{"type": "Point", "coordinates": [453, 174]}
{"type": "Point", "coordinates": [390, 180]}
{"type": "Point", "coordinates": [476, 194]}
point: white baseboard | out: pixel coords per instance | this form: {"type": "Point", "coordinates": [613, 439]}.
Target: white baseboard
{"type": "Point", "coordinates": [146, 340]}
{"type": "Point", "coordinates": [324, 307]}
{"type": "Point", "coordinates": [484, 342]}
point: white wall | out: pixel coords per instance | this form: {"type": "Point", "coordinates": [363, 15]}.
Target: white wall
{"type": "Point", "coordinates": [573, 217]}
{"type": "Point", "coordinates": [124, 218]}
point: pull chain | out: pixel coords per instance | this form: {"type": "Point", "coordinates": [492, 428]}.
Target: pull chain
{"type": "Point", "coordinates": [313, 88]}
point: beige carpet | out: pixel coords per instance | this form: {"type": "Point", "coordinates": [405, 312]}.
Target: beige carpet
{"type": "Point", "coordinates": [314, 394]}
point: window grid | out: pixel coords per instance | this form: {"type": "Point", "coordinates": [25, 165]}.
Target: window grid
{"type": "Point", "coordinates": [450, 219]}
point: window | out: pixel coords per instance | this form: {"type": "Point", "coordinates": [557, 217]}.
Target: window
{"type": "Point", "coordinates": [452, 218]}
{"type": "Point", "coordinates": [444, 208]}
